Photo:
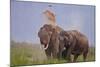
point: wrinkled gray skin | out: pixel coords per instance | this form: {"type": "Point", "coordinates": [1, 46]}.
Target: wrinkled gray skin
{"type": "Point", "coordinates": [75, 43]}
{"type": "Point", "coordinates": [49, 37]}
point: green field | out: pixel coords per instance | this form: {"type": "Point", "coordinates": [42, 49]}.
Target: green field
{"type": "Point", "coordinates": [32, 54]}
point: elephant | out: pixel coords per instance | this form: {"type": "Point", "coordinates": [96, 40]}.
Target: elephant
{"type": "Point", "coordinates": [55, 40]}
{"type": "Point", "coordinates": [49, 38]}
{"type": "Point", "coordinates": [76, 44]}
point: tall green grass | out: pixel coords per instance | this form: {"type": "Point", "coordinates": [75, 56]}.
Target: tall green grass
{"type": "Point", "coordinates": [32, 54]}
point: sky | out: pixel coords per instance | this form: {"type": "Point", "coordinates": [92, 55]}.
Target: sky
{"type": "Point", "coordinates": [27, 18]}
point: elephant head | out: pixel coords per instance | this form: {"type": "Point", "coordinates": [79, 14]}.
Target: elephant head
{"type": "Point", "coordinates": [44, 34]}
{"type": "Point", "coordinates": [66, 38]}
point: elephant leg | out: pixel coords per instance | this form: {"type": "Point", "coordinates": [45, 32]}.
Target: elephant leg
{"type": "Point", "coordinates": [84, 56]}
{"type": "Point", "coordinates": [48, 53]}
{"type": "Point", "coordinates": [69, 58]}
{"type": "Point", "coordinates": [75, 57]}
{"type": "Point", "coordinates": [61, 48]}
{"type": "Point", "coordinates": [69, 55]}
{"type": "Point", "coordinates": [60, 54]}
{"type": "Point", "coordinates": [54, 54]}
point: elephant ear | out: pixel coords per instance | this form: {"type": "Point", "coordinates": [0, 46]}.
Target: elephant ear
{"type": "Point", "coordinates": [68, 38]}
{"type": "Point", "coordinates": [41, 31]}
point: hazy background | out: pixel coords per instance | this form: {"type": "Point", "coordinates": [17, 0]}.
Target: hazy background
{"type": "Point", "coordinates": [27, 18]}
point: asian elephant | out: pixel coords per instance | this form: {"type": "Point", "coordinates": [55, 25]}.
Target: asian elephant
{"type": "Point", "coordinates": [75, 43]}
{"type": "Point", "coordinates": [56, 42]}
{"type": "Point", "coordinates": [49, 38]}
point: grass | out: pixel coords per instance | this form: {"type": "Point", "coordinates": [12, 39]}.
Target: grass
{"type": "Point", "coordinates": [32, 54]}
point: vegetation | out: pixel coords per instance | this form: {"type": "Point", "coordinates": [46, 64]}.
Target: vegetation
{"type": "Point", "coordinates": [32, 54]}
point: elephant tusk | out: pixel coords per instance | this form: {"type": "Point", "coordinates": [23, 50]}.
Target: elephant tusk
{"type": "Point", "coordinates": [46, 47]}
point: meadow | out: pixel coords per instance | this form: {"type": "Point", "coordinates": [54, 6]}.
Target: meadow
{"type": "Point", "coordinates": [23, 53]}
